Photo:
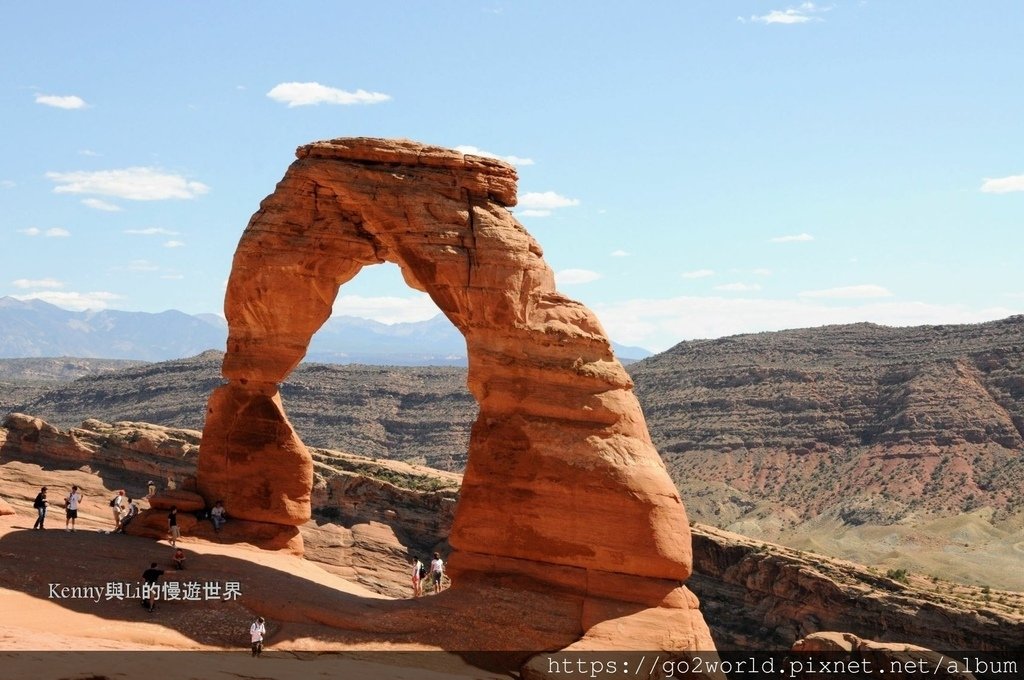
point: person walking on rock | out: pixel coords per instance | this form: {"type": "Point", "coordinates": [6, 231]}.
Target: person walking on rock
{"type": "Point", "coordinates": [418, 573]}
{"type": "Point", "coordinates": [150, 590]}
{"type": "Point", "coordinates": [116, 506]}
{"type": "Point", "coordinates": [256, 631]}
{"type": "Point", "coordinates": [40, 505]}
{"type": "Point", "coordinates": [437, 572]}
{"type": "Point", "coordinates": [71, 504]}
{"type": "Point", "coordinates": [172, 525]}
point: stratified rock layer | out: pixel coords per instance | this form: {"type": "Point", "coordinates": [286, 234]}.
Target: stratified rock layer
{"type": "Point", "coordinates": [563, 483]}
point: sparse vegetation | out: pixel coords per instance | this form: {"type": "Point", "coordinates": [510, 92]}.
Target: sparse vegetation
{"type": "Point", "coordinates": [899, 575]}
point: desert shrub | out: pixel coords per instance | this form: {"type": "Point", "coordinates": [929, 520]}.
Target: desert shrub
{"type": "Point", "coordinates": [900, 575]}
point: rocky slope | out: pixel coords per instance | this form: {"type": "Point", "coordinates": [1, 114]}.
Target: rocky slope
{"type": "Point", "coordinates": [372, 515]}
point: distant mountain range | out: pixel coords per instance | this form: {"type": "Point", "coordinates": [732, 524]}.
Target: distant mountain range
{"type": "Point", "coordinates": [33, 328]}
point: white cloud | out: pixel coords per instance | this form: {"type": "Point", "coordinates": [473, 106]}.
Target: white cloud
{"type": "Point", "coordinates": [660, 323]}
{"type": "Point", "coordinates": [68, 102]}
{"type": "Point", "coordinates": [1003, 185]}
{"type": "Point", "coordinates": [739, 287]}
{"type": "Point", "coordinates": [474, 151]}
{"type": "Point", "coordinates": [74, 301]}
{"type": "Point", "coordinates": [56, 232]}
{"type": "Point", "coordinates": [98, 204]}
{"type": "Point", "coordinates": [762, 272]}
{"type": "Point", "coordinates": [698, 274]}
{"type": "Point", "coordinates": [172, 277]}
{"type": "Point", "coordinates": [533, 213]}
{"type": "Point", "coordinates": [37, 283]}
{"type": "Point", "coordinates": [418, 307]}
{"type": "Point", "coordinates": [135, 184]}
{"type": "Point", "coordinates": [173, 244]}
{"type": "Point", "coordinates": [793, 238]}
{"type": "Point", "coordinates": [545, 200]}
{"type": "Point", "coordinates": [620, 253]}
{"type": "Point", "coordinates": [31, 231]}
{"type": "Point", "coordinates": [569, 277]}
{"type": "Point", "coordinates": [7, 184]}
{"type": "Point", "coordinates": [151, 231]}
{"type": "Point", "coordinates": [140, 266]}
{"type": "Point", "coordinates": [87, 152]}
{"type": "Point", "coordinates": [801, 14]}
{"type": "Point", "coordinates": [848, 292]}
{"type": "Point", "coordinates": [306, 94]}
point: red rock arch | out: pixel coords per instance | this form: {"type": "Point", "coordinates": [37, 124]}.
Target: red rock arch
{"type": "Point", "coordinates": [563, 483]}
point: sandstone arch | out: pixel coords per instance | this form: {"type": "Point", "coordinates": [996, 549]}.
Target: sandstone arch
{"type": "Point", "coordinates": [563, 484]}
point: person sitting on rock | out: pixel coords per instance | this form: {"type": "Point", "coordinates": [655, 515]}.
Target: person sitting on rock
{"type": "Point", "coordinates": [130, 513]}
{"type": "Point", "coordinates": [218, 515]}
{"type": "Point", "coordinates": [179, 559]}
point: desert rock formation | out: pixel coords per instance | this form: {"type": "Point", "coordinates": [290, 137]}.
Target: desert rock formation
{"type": "Point", "coordinates": [562, 485]}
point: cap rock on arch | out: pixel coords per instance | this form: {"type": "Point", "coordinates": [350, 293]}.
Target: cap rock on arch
{"type": "Point", "coordinates": [563, 484]}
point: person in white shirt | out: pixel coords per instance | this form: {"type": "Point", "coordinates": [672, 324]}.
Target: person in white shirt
{"type": "Point", "coordinates": [71, 504]}
{"type": "Point", "coordinates": [117, 507]}
{"type": "Point", "coordinates": [437, 572]}
{"type": "Point", "coordinates": [256, 631]}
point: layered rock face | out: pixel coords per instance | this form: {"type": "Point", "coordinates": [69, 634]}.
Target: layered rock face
{"type": "Point", "coordinates": [562, 485]}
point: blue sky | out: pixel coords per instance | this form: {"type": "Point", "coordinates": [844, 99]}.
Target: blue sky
{"type": "Point", "coordinates": [692, 169]}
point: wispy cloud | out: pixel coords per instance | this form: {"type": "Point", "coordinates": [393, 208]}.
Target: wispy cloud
{"type": "Point", "coordinates": [698, 274]}
{"type": "Point", "coordinates": [739, 287]}
{"type": "Point", "coordinates": [794, 238]}
{"type": "Point", "coordinates": [474, 151]}
{"type": "Point", "coordinates": [37, 283]}
{"type": "Point", "coordinates": [869, 290]}
{"type": "Point", "coordinates": [545, 200]}
{"type": "Point", "coordinates": [87, 152]}
{"type": "Point", "coordinates": [308, 94]}
{"type": "Point", "coordinates": [98, 204]}
{"type": "Point", "coordinates": [801, 14]}
{"type": "Point", "coordinates": [135, 184]}
{"type": "Point", "coordinates": [7, 184]}
{"type": "Point", "coordinates": [140, 266]}
{"type": "Point", "coordinates": [52, 232]}
{"type": "Point", "coordinates": [1003, 185]}
{"type": "Point", "coordinates": [387, 309]}
{"type": "Point", "coordinates": [620, 253]}
{"type": "Point", "coordinates": [75, 301]}
{"type": "Point", "coordinates": [172, 277]}
{"type": "Point", "coordinates": [151, 231]}
{"type": "Point", "coordinates": [65, 102]}
{"type": "Point", "coordinates": [533, 213]}
{"type": "Point", "coordinates": [571, 277]}
{"type": "Point", "coordinates": [174, 244]}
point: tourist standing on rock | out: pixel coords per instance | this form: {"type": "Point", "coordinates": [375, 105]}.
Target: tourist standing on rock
{"type": "Point", "coordinates": [172, 525]}
{"type": "Point", "coordinates": [71, 504]}
{"type": "Point", "coordinates": [151, 489]}
{"type": "Point", "coordinates": [418, 572]}
{"type": "Point", "coordinates": [129, 514]}
{"type": "Point", "coordinates": [116, 505]}
{"type": "Point", "coordinates": [256, 631]}
{"type": "Point", "coordinates": [40, 505]}
{"type": "Point", "coordinates": [437, 572]}
{"type": "Point", "coordinates": [150, 590]}
{"type": "Point", "coordinates": [218, 515]}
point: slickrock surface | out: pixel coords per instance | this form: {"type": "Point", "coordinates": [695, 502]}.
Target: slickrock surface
{"type": "Point", "coordinates": [563, 485]}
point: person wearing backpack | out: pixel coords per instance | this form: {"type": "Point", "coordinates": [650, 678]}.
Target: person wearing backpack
{"type": "Point", "coordinates": [419, 572]}
{"type": "Point", "coordinates": [40, 505]}
{"type": "Point", "coordinates": [115, 507]}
